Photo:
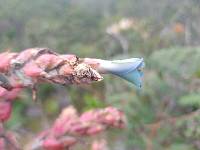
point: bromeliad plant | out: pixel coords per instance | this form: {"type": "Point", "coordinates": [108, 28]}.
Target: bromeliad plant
{"type": "Point", "coordinates": [33, 66]}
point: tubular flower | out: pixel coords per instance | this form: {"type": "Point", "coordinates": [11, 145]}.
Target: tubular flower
{"type": "Point", "coordinates": [128, 69]}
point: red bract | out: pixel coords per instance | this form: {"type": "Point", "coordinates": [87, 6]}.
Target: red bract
{"type": "Point", "coordinates": [9, 95]}
{"type": "Point", "coordinates": [88, 116]}
{"type": "Point", "coordinates": [2, 92]}
{"type": "Point", "coordinates": [48, 61]}
{"type": "Point", "coordinates": [52, 144]}
{"type": "Point", "coordinates": [66, 117]}
{"type": "Point", "coordinates": [66, 70]}
{"type": "Point", "coordinates": [32, 70]}
{"type": "Point", "coordinates": [27, 54]}
{"type": "Point", "coordinates": [95, 129]}
{"type": "Point", "coordinates": [5, 110]}
{"type": "Point", "coordinates": [58, 144]}
{"type": "Point", "coordinates": [110, 116]}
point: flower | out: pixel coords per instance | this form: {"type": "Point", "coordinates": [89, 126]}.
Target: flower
{"type": "Point", "coordinates": [128, 69]}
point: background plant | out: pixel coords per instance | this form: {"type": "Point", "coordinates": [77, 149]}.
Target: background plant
{"type": "Point", "coordinates": [166, 33]}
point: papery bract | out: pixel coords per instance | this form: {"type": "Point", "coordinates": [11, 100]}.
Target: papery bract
{"type": "Point", "coordinates": [32, 70]}
{"type": "Point", "coordinates": [95, 129]}
{"type": "Point", "coordinates": [9, 95]}
{"type": "Point", "coordinates": [5, 110]}
{"type": "Point", "coordinates": [48, 61]}
{"type": "Point", "coordinates": [52, 144]}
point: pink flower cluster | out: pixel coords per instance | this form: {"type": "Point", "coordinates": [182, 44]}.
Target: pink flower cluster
{"type": "Point", "coordinates": [6, 98]}
{"type": "Point", "coordinates": [69, 126]}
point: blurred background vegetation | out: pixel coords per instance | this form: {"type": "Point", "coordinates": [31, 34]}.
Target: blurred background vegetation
{"type": "Point", "coordinates": [164, 115]}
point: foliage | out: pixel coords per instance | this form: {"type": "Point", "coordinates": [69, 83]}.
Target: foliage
{"type": "Point", "coordinates": [190, 100]}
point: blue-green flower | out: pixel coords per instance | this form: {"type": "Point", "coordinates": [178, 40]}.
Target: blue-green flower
{"type": "Point", "coordinates": [128, 69]}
